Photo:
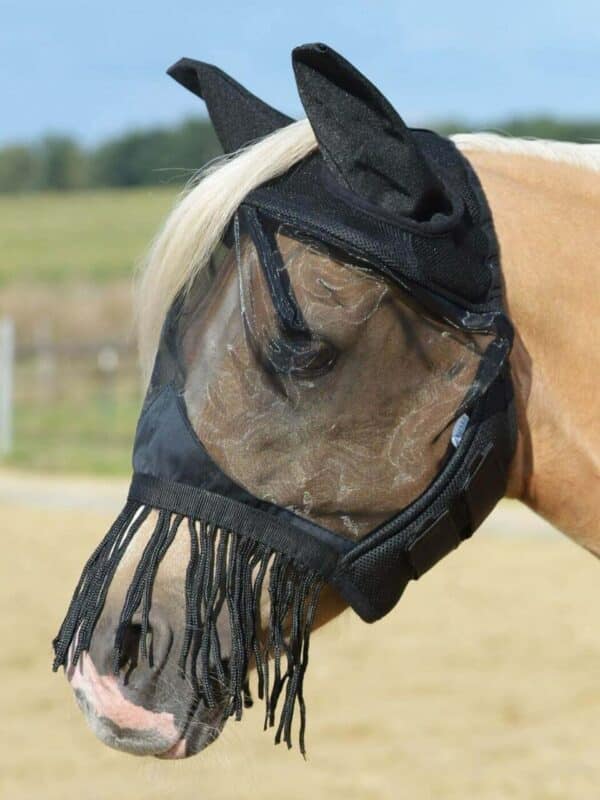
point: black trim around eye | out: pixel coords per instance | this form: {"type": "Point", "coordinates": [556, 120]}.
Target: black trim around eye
{"type": "Point", "coordinates": [296, 351]}
{"type": "Point", "coordinates": [289, 314]}
{"type": "Point", "coordinates": [438, 306]}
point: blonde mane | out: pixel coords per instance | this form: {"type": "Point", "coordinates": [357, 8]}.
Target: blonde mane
{"type": "Point", "coordinates": [580, 155]}
{"type": "Point", "coordinates": [201, 214]}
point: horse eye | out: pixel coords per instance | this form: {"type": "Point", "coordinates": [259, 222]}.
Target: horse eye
{"type": "Point", "coordinates": [299, 356]}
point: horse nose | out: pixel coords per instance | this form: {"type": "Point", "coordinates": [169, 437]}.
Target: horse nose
{"type": "Point", "coordinates": [120, 691]}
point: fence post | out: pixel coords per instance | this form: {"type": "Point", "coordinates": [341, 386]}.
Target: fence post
{"type": "Point", "coordinates": [7, 354]}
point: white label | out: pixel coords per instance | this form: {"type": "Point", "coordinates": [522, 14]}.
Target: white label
{"type": "Point", "coordinates": [458, 431]}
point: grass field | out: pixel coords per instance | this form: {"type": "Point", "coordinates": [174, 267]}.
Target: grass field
{"type": "Point", "coordinates": [85, 423]}
{"type": "Point", "coordinates": [94, 236]}
{"type": "Point", "coordinates": [483, 684]}
{"type": "Point", "coordinates": [66, 262]}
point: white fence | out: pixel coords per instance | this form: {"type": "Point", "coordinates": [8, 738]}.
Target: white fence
{"type": "Point", "coordinates": [66, 405]}
{"type": "Point", "coordinates": [7, 359]}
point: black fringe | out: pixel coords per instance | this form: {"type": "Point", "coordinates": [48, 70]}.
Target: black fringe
{"type": "Point", "coordinates": [225, 570]}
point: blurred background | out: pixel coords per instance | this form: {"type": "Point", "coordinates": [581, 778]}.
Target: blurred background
{"type": "Point", "coordinates": [95, 144]}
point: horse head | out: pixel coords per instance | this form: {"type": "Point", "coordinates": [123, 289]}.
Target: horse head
{"type": "Point", "coordinates": [328, 396]}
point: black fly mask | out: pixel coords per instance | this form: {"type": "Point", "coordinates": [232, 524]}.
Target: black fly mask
{"type": "Point", "coordinates": [331, 399]}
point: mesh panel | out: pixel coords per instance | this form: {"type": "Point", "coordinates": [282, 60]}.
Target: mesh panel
{"type": "Point", "coordinates": [315, 383]}
{"type": "Point", "coordinates": [373, 576]}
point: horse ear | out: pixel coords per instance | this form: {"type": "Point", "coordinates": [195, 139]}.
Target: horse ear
{"type": "Point", "coordinates": [362, 139]}
{"type": "Point", "coordinates": [237, 115]}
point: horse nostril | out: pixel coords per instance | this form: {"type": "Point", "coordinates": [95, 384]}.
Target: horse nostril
{"type": "Point", "coordinates": [130, 648]}
{"type": "Point", "coordinates": [144, 648]}
{"type": "Point", "coordinates": [119, 648]}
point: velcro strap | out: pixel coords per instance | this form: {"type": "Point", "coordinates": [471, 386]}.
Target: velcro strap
{"type": "Point", "coordinates": [483, 488]}
{"type": "Point", "coordinates": [435, 542]}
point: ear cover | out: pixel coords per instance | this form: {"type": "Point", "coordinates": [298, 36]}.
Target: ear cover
{"type": "Point", "coordinates": [363, 141]}
{"type": "Point", "coordinates": [238, 116]}
{"type": "Point", "coordinates": [405, 201]}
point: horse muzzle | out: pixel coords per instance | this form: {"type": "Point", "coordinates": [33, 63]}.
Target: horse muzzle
{"type": "Point", "coordinates": [144, 708]}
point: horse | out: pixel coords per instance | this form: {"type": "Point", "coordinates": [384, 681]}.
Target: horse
{"type": "Point", "coordinates": [545, 203]}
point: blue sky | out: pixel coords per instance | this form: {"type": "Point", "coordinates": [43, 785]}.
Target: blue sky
{"type": "Point", "coordinates": [94, 69]}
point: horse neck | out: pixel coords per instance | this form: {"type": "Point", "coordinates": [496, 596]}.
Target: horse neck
{"type": "Point", "coordinates": [546, 217]}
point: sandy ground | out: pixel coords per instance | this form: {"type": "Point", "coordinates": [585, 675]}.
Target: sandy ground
{"type": "Point", "coordinates": [483, 683]}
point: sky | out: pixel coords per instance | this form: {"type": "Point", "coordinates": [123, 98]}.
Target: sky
{"type": "Point", "coordinates": [96, 69]}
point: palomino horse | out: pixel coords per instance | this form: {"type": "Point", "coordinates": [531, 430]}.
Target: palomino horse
{"type": "Point", "coordinates": [545, 200]}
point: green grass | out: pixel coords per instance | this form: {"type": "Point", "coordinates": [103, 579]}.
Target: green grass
{"type": "Point", "coordinates": [89, 236]}
{"type": "Point", "coordinates": [76, 419]}
{"type": "Point", "coordinates": [83, 423]}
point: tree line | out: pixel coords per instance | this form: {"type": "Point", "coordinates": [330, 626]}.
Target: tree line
{"type": "Point", "coordinates": [138, 158]}
{"type": "Point", "coordinates": [171, 155]}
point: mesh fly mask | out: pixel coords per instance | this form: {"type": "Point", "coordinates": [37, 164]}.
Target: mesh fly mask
{"type": "Point", "coordinates": [331, 399]}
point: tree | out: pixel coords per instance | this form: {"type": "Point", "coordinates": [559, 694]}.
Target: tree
{"type": "Point", "coordinates": [19, 169]}
{"type": "Point", "coordinates": [536, 127]}
{"type": "Point", "coordinates": [155, 156]}
{"type": "Point", "coordinates": [62, 164]}
{"type": "Point", "coordinates": [173, 155]}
